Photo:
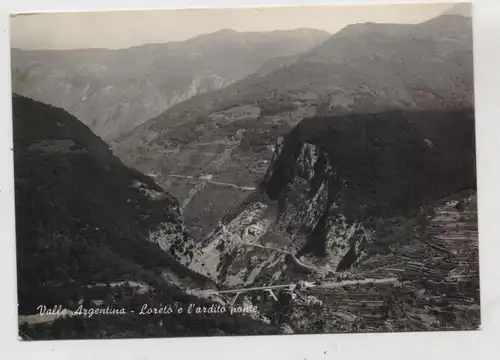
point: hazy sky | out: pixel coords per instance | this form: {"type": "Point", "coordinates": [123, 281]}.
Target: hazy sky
{"type": "Point", "coordinates": [119, 29]}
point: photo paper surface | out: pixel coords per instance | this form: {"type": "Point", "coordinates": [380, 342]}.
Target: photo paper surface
{"type": "Point", "coordinates": [292, 170]}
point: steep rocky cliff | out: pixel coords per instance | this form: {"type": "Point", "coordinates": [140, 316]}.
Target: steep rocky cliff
{"type": "Point", "coordinates": [333, 186]}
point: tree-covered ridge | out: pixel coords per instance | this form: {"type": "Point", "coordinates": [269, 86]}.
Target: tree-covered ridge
{"type": "Point", "coordinates": [385, 163]}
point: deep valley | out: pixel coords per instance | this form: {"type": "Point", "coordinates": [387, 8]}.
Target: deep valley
{"type": "Point", "coordinates": [323, 182]}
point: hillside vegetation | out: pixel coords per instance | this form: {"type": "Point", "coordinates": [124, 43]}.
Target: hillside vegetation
{"type": "Point", "coordinates": [83, 219]}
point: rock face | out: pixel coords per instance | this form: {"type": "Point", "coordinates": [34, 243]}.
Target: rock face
{"type": "Point", "coordinates": [113, 91]}
{"type": "Point", "coordinates": [306, 206]}
{"type": "Point", "coordinates": [331, 182]}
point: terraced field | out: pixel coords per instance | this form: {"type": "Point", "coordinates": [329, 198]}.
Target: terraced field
{"type": "Point", "coordinates": [438, 274]}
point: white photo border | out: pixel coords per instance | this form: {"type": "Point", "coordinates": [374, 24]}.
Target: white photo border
{"type": "Point", "coordinates": [483, 344]}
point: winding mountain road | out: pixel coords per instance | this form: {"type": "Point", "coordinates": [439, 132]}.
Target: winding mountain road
{"type": "Point", "coordinates": [286, 252]}
{"type": "Point", "coordinates": [204, 180]}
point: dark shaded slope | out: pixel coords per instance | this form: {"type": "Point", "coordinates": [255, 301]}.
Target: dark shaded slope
{"type": "Point", "coordinates": [82, 219]}
{"type": "Point", "coordinates": [69, 185]}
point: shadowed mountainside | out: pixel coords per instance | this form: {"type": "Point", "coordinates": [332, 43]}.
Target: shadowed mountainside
{"type": "Point", "coordinates": [86, 223]}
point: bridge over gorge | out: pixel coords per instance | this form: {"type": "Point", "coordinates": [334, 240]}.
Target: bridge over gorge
{"type": "Point", "coordinates": [300, 286]}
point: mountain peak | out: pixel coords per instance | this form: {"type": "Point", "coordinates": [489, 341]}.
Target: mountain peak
{"type": "Point", "coordinates": [368, 27]}
{"type": "Point", "coordinates": [226, 31]}
{"type": "Point", "coordinates": [462, 9]}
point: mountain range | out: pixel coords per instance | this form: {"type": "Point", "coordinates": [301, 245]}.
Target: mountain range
{"type": "Point", "coordinates": [230, 133]}
{"type": "Point", "coordinates": [375, 66]}
{"type": "Point", "coordinates": [345, 165]}
{"type": "Point", "coordinates": [113, 91]}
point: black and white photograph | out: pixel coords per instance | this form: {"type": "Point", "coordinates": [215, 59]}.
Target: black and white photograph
{"type": "Point", "coordinates": [245, 171]}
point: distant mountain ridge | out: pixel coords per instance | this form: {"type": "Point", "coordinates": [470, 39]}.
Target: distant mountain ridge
{"type": "Point", "coordinates": [115, 90]}
{"type": "Point", "coordinates": [364, 67]}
